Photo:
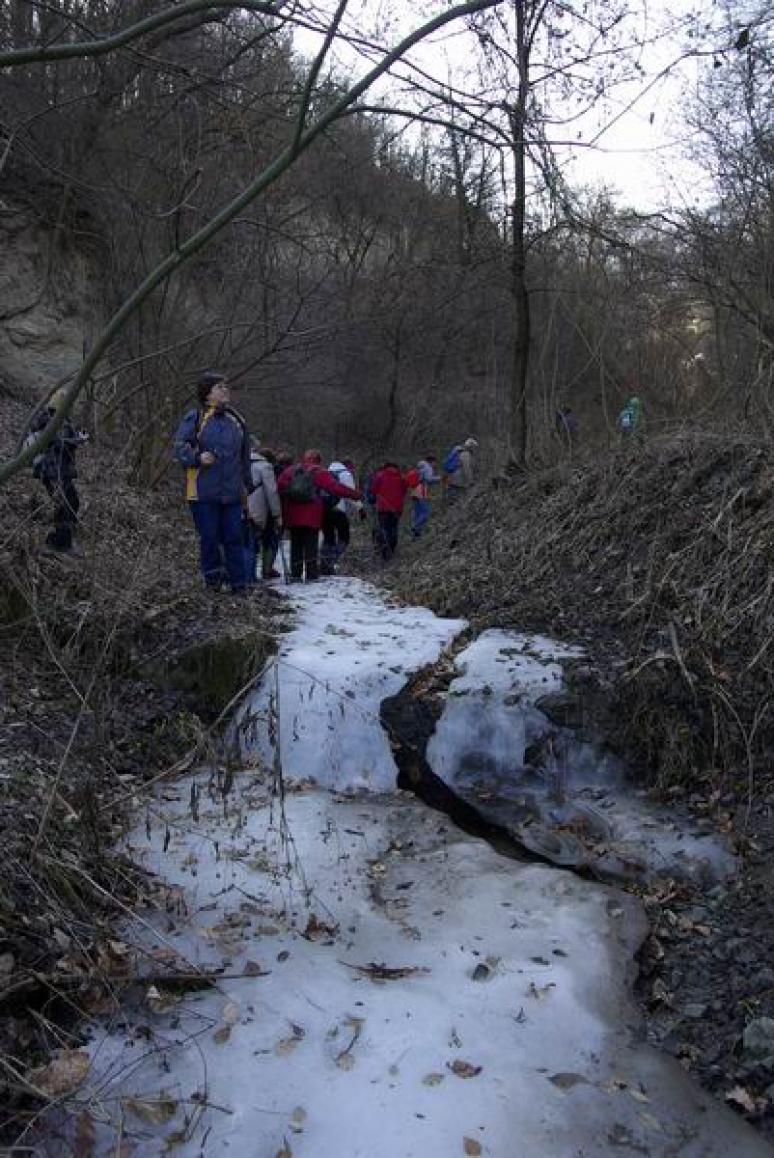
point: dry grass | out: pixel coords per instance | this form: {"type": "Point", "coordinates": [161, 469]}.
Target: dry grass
{"type": "Point", "coordinates": [659, 559]}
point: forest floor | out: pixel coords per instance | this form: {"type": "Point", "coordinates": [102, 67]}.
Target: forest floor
{"type": "Point", "coordinates": [657, 560]}
{"type": "Point", "coordinates": [115, 669]}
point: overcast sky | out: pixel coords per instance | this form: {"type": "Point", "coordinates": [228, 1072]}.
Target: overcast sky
{"type": "Point", "coordinates": [640, 130]}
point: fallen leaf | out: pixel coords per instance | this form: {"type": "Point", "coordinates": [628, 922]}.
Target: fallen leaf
{"type": "Point", "coordinates": [463, 1069]}
{"type": "Point", "coordinates": [382, 972]}
{"type": "Point", "coordinates": [433, 1079]}
{"type": "Point", "coordinates": [222, 1034]}
{"type": "Point", "coordinates": [63, 1074]}
{"type": "Point", "coordinates": [231, 1013]}
{"type": "Point", "coordinates": [566, 1081]}
{"type": "Point", "coordinates": [85, 1135]}
{"type": "Point", "coordinates": [316, 930]}
{"type": "Point", "coordinates": [742, 1099]}
{"type": "Point", "coordinates": [285, 1152]}
{"type": "Point", "coordinates": [253, 969]}
{"type": "Point", "coordinates": [153, 1111]}
{"type": "Point", "coordinates": [471, 1147]}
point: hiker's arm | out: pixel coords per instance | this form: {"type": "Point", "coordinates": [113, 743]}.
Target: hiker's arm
{"type": "Point", "coordinates": [185, 449]}
{"type": "Point", "coordinates": [247, 474]}
{"type": "Point", "coordinates": [326, 482]}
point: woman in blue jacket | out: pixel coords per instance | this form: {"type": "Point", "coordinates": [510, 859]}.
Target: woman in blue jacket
{"type": "Point", "coordinates": [213, 445]}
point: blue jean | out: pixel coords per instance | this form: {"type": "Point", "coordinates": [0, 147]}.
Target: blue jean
{"type": "Point", "coordinates": [420, 513]}
{"type": "Point", "coordinates": [220, 541]}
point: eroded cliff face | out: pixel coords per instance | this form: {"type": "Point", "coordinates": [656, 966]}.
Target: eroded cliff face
{"type": "Point", "coordinates": [48, 303]}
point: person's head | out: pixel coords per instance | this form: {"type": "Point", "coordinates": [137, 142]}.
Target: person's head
{"type": "Point", "coordinates": [470, 444]}
{"type": "Point", "coordinates": [390, 465]}
{"type": "Point", "coordinates": [431, 458]}
{"type": "Point", "coordinates": [312, 457]}
{"type": "Point", "coordinates": [284, 457]}
{"type": "Point", "coordinates": [349, 464]}
{"type": "Point", "coordinates": [269, 454]}
{"type": "Point", "coordinates": [212, 390]}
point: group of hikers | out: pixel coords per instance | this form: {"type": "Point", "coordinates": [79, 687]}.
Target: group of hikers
{"type": "Point", "coordinates": [244, 497]}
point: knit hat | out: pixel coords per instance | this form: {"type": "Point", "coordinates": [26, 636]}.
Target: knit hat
{"type": "Point", "coordinates": [206, 382]}
{"type": "Point", "coordinates": [470, 444]}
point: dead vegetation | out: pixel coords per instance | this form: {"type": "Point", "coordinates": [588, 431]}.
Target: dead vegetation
{"type": "Point", "coordinates": [91, 710]}
{"type": "Point", "coordinates": [658, 558]}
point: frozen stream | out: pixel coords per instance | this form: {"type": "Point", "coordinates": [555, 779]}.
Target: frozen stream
{"type": "Point", "coordinates": [387, 986]}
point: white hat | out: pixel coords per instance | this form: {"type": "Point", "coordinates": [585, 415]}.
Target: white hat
{"type": "Point", "coordinates": [470, 444]}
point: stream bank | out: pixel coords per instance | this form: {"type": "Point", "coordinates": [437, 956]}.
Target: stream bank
{"type": "Point", "coordinates": [347, 973]}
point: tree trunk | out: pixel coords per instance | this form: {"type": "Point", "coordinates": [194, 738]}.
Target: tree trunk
{"type": "Point", "coordinates": [519, 416]}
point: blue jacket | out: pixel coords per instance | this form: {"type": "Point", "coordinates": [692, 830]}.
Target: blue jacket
{"type": "Point", "coordinates": [225, 436]}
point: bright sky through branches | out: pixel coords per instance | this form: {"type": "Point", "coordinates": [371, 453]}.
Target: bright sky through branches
{"type": "Point", "coordinates": [635, 139]}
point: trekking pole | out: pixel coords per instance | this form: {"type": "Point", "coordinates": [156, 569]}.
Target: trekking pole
{"type": "Point", "coordinates": [281, 553]}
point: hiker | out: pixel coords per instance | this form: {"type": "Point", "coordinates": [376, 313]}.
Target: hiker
{"type": "Point", "coordinates": [630, 418]}
{"type": "Point", "coordinates": [264, 514]}
{"type": "Point", "coordinates": [55, 467]}
{"type": "Point", "coordinates": [389, 488]}
{"type": "Point", "coordinates": [213, 445]}
{"type": "Point", "coordinates": [566, 425]}
{"type": "Point", "coordinates": [428, 477]}
{"type": "Point", "coordinates": [459, 469]}
{"type": "Point", "coordinates": [300, 486]}
{"type": "Point", "coordinates": [337, 514]}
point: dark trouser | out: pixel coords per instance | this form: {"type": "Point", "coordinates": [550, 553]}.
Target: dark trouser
{"type": "Point", "coordinates": [220, 541]}
{"type": "Point", "coordinates": [388, 533]}
{"type": "Point", "coordinates": [250, 536]}
{"type": "Point", "coordinates": [303, 552]}
{"type": "Point", "coordinates": [66, 506]}
{"type": "Point", "coordinates": [335, 531]}
{"type": "Point", "coordinates": [269, 546]}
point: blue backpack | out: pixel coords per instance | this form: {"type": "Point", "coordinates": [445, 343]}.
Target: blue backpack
{"type": "Point", "coordinates": [451, 464]}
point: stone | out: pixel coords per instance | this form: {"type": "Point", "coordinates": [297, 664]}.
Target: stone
{"type": "Point", "coordinates": [758, 1041]}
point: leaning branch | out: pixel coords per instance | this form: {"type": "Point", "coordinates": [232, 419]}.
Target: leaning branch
{"type": "Point", "coordinates": [202, 237]}
{"type": "Point", "coordinates": [43, 54]}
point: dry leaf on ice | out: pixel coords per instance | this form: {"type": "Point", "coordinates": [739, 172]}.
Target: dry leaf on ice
{"type": "Point", "coordinates": [463, 1069]}
{"type": "Point", "coordinates": [471, 1147]}
{"type": "Point", "coordinates": [153, 1111]}
{"type": "Point", "coordinates": [63, 1074]}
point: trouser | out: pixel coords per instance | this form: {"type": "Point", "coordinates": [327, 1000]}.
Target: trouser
{"type": "Point", "coordinates": [335, 531]}
{"type": "Point", "coordinates": [303, 552]}
{"type": "Point", "coordinates": [388, 533]}
{"type": "Point", "coordinates": [420, 513]}
{"type": "Point", "coordinates": [269, 546]}
{"type": "Point", "coordinates": [250, 536]}
{"type": "Point", "coordinates": [220, 541]}
{"type": "Point", "coordinates": [66, 504]}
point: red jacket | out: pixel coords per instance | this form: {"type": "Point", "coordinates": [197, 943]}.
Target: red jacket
{"type": "Point", "coordinates": [389, 486]}
{"type": "Point", "coordinates": [295, 514]}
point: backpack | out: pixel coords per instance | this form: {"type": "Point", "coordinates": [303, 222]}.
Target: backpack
{"type": "Point", "coordinates": [302, 488]}
{"type": "Point", "coordinates": [451, 464]}
{"type": "Point", "coordinates": [39, 461]}
{"type": "Point", "coordinates": [626, 419]}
